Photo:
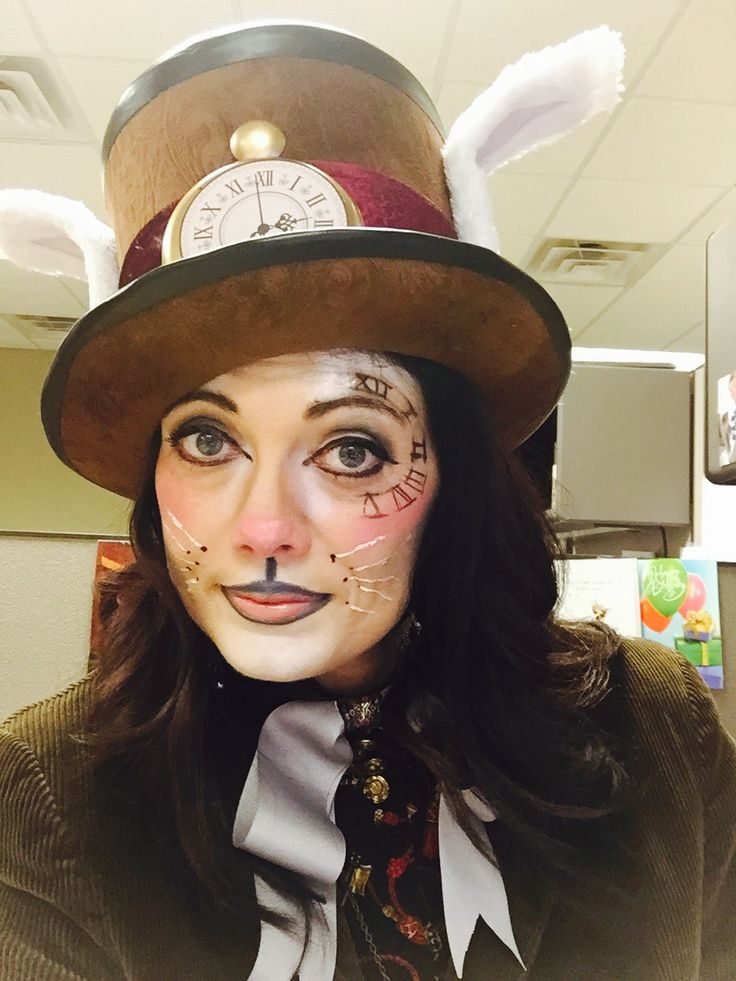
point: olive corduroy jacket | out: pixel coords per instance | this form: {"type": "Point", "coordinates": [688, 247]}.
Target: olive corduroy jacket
{"type": "Point", "coordinates": [87, 893]}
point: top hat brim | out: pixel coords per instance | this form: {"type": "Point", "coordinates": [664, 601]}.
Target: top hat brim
{"type": "Point", "coordinates": [183, 324]}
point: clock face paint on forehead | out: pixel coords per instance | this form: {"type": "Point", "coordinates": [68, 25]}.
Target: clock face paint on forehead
{"type": "Point", "coordinates": [307, 479]}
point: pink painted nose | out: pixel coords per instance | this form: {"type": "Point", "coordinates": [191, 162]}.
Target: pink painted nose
{"type": "Point", "coordinates": [265, 535]}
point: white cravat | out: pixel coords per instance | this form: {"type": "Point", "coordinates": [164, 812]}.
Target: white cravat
{"type": "Point", "coordinates": [286, 816]}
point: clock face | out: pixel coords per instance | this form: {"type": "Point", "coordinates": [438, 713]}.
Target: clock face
{"type": "Point", "coordinates": [256, 200]}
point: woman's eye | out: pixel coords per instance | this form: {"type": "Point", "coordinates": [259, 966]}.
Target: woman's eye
{"type": "Point", "coordinates": [203, 444]}
{"type": "Point", "coordinates": [352, 457]}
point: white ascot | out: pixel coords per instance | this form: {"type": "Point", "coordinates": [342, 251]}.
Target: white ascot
{"type": "Point", "coordinates": [286, 816]}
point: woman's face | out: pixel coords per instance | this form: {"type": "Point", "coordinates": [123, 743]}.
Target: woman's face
{"type": "Point", "coordinates": [293, 493]}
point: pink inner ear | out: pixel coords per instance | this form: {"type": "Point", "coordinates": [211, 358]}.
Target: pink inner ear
{"type": "Point", "coordinates": [58, 243]}
{"type": "Point", "coordinates": [519, 132]}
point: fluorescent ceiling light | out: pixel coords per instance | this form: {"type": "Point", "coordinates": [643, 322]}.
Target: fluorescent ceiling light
{"type": "Point", "coordinates": [678, 360]}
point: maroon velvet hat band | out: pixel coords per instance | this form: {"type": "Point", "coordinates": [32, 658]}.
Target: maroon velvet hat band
{"type": "Point", "coordinates": [383, 203]}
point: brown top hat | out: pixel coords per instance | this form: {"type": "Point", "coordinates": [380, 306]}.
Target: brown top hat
{"type": "Point", "coordinates": [275, 189]}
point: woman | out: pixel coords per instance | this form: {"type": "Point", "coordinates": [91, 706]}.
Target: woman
{"type": "Point", "coordinates": [333, 728]}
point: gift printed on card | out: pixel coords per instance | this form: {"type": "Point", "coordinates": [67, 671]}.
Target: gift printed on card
{"type": "Point", "coordinates": [680, 608]}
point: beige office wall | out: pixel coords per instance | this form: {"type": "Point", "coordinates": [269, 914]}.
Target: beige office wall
{"type": "Point", "coordinates": [37, 492]}
{"type": "Point", "coordinates": [45, 614]}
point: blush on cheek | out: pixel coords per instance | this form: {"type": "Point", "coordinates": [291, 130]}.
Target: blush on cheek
{"type": "Point", "coordinates": [363, 540]}
{"type": "Point", "coordinates": [182, 504]}
{"type": "Point", "coordinates": [178, 511]}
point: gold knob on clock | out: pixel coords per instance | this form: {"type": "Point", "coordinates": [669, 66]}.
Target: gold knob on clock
{"type": "Point", "coordinates": [257, 140]}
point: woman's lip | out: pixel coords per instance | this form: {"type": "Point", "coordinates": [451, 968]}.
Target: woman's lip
{"type": "Point", "coordinates": [274, 607]}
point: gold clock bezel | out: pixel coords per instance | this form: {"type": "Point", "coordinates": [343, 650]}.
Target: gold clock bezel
{"type": "Point", "coordinates": [171, 242]}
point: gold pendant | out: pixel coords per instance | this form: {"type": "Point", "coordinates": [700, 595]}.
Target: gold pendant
{"type": "Point", "coordinates": [359, 879]}
{"type": "Point", "coordinates": [375, 788]}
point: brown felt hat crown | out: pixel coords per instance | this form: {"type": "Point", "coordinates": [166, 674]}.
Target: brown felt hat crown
{"type": "Point", "coordinates": [400, 282]}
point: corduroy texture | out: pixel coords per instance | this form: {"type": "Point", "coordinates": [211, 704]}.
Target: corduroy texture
{"type": "Point", "coordinates": [88, 892]}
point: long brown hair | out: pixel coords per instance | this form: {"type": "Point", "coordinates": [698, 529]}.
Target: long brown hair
{"type": "Point", "coordinates": [494, 693]}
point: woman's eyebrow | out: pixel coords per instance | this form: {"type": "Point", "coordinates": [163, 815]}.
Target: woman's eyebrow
{"type": "Point", "coordinates": [204, 395]}
{"type": "Point", "coordinates": [362, 401]}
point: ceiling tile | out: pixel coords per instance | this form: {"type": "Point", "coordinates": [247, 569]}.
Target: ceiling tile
{"type": "Point", "coordinates": [18, 36]}
{"type": "Point", "coordinates": [705, 26]}
{"type": "Point", "coordinates": [98, 83]}
{"type": "Point", "coordinates": [515, 248]}
{"type": "Point", "coordinates": [413, 31]}
{"type": "Point", "coordinates": [44, 298]}
{"type": "Point", "coordinates": [49, 343]}
{"type": "Point", "coordinates": [669, 141]}
{"type": "Point", "coordinates": [133, 29]}
{"type": "Point", "coordinates": [580, 304]}
{"type": "Point", "coordinates": [683, 265]}
{"type": "Point", "coordinates": [78, 288]}
{"type": "Point", "coordinates": [562, 158]}
{"type": "Point", "coordinates": [628, 211]}
{"type": "Point", "coordinates": [10, 337]}
{"type": "Point", "coordinates": [13, 276]}
{"type": "Point", "coordinates": [491, 34]}
{"type": "Point", "coordinates": [716, 216]}
{"type": "Point", "coordinates": [522, 203]}
{"type": "Point", "coordinates": [73, 171]}
{"type": "Point", "coordinates": [645, 319]}
{"type": "Point", "coordinates": [693, 340]}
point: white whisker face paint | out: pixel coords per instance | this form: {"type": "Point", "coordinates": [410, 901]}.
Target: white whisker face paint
{"type": "Point", "coordinates": [371, 565]}
{"type": "Point", "coordinates": [177, 524]}
{"type": "Point", "coordinates": [377, 592]}
{"type": "Point", "coordinates": [309, 477]}
{"type": "Point", "coordinates": [358, 548]}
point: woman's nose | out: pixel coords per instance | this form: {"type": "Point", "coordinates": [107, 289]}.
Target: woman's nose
{"type": "Point", "coordinates": [269, 520]}
{"type": "Point", "coordinates": [267, 534]}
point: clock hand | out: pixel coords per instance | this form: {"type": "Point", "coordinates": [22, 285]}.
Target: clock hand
{"type": "Point", "coordinates": [264, 226]}
{"type": "Point", "coordinates": [260, 207]}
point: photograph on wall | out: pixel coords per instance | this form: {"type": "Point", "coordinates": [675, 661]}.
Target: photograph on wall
{"type": "Point", "coordinates": [680, 608]}
{"type": "Point", "coordinates": [601, 589]}
{"type": "Point", "coordinates": [111, 556]}
{"type": "Point", "coordinates": [726, 408]}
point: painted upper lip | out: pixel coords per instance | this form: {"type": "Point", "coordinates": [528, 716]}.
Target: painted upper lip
{"type": "Point", "coordinates": [274, 589]}
{"type": "Point", "coordinates": [269, 601]}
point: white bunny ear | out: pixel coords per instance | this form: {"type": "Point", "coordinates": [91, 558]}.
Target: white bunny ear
{"type": "Point", "coordinates": [60, 237]}
{"type": "Point", "coordinates": [532, 102]}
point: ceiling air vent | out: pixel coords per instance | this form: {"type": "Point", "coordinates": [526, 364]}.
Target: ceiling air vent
{"type": "Point", "coordinates": [589, 263]}
{"type": "Point", "coordinates": [46, 332]}
{"type": "Point", "coordinates": [31, 106]}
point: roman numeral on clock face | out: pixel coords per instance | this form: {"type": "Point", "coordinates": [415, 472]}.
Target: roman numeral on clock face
{"type": "Point", "coordinates": [416, 479]}
{"type": "Point", "coordinates": [203, 233]}
{"type": "Point", "coordinates": [401, 498]}
{"type": "Point", "coordinates": [418, 450]}
{"type": "Point", "coordinates": [324, 223]}
{"type": "Point", "coordinates": [234, 187]}
{"type": "Point", "coordinates": [208, 209]}
{"type": "Point", "coordinates": [371, 508]}
{"type": "Point", "coordinates": [372, 385]}
{"type": "Point", "coordinates": [265, 178]}
{"type": "Point", "coordinates": [317, 199]}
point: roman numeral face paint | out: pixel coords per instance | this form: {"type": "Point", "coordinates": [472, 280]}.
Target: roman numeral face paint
{"type": "Point", "coordinates": [307, 480]}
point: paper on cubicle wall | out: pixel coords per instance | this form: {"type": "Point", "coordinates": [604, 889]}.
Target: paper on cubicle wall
{"type": "Point", "coordinates": [601, 589]}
